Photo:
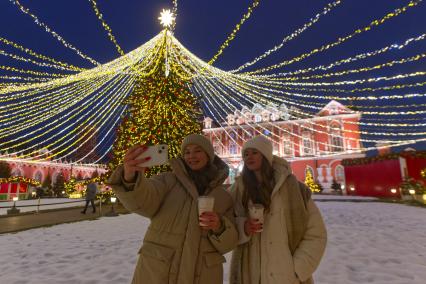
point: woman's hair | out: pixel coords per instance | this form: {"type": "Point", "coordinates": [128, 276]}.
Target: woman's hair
{"type": "Point", "coordinates": [203, 177]}
{"type": "Point", "coordinates": [258, 192]}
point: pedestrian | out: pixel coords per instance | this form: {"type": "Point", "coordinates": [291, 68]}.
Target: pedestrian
{"type": "Point", "coordinates": [180, 246]}
{"type": "Point", "coordinates": [91, 190]}
{"type": "Point", "coordinates": [284, 244]}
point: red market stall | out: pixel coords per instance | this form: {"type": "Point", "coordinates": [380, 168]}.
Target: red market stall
{"type": "Point", "coordinates": [381, 176]}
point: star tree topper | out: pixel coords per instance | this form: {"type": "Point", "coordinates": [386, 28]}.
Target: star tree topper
{"type": "Point", "coordinates": [166, 18]}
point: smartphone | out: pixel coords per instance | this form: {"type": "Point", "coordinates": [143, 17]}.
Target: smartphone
{"type": "Point", "coordinates": [158, 154]}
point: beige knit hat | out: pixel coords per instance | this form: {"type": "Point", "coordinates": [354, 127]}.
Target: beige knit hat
{"type": "Point", "coordinates": [262, 144]}
{"type": "Point", "coordinates": [201, 141]}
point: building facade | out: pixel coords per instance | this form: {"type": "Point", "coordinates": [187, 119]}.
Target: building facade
{"type": "Point", "coordinates": [40, 170]}
{"type": "Point", "coordinates": [317, 144]}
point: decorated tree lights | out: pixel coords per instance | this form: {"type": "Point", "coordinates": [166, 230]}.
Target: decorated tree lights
{"type": "Point", "coordinates": [161, 108]}
{"type": "Point", "coordinates": [309, 181]}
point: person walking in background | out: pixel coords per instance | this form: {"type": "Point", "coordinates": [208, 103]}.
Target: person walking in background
{"type": "Point", "coordinates": [180, 246]}
{"type": "Point", "coordinates": [282, 233]}
{"type": "Point", "coordinates": [91, 191]}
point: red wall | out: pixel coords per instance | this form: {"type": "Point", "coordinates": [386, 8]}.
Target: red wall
{"type": "Point", "coordinates": [415, 165]}
{"type": "Point", "coordinates": [374, 179]}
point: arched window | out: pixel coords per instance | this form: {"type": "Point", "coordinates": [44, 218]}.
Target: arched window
{"type": "Point", "coordinates": [38, 176]}
{"type": "Point", "coordinates": [16, 172]}
{"type": "Point", "coordinates": [55, 177]}
{"type": "Point", "coordinates": [339, 174]}
{"type": "Point", "coordinates": [309, 169]}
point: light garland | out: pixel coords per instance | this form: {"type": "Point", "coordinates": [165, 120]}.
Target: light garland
{"type": "Point", "coordinates": [40, 56]}
{"type": "Point", "coordinates": [312, 21]}
{"type": "Point", "coordinates": [22, 71]}
{"type": "Point", "coordinates": [234, 32]}
{"type": "Point", "coordinates": [350, 59]}
{"type": "Point", "coordinates": [373, 24]}
{"type": "Point", "coordinates": [28, 60]}
{"type": "Point", "coordinates": [20, 179]}
{"type": "Point", "coordinates": [362, 69]}
{"type": "Point", "coordinates": [106, 27]}
{"type": "Point", "coordinates": [53, 33]}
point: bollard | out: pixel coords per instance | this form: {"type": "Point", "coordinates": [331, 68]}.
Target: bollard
{"type": "Point", "coordinates": [38, 206]}
{"type": "Point", "coordinates": [100, 205]}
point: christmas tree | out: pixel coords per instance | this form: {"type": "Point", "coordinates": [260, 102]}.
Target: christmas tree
{"type": "Point", "coordinates": [309, 181]}
{"type": "Point", "coordinates": [161, 110]}
{"type": "Point", "coordinates": [59, 185]}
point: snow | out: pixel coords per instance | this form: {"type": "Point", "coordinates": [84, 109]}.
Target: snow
{"type": "Point", "coordinates": [45, 203]}
{"type": "Point", "coordinates": [343, 197]}
{"type": "Point", "coordinates": [368, 243]}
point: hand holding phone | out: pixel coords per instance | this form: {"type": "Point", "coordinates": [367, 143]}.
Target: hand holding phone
{"type": "Point", "coordinates": [158, 154]}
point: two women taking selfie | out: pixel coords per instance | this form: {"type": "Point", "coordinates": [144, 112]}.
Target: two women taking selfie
{"type": "Point", "coordinates": [268, 218]}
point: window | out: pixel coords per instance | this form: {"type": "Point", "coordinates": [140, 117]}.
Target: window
{"type": "Point", "coordinates": [336, 139]}
{"type": "Point", "coordinates": [287, 145]}
{"type": "Point", "coordinates": [307, 145]}
{"type": "Point", "coordinates": [16, 173]}
{"type": "Point", "coordinates": [309, 169]}
{"type": "Point", "coordinates": [38, 176]}
{"type": "Point", "coordinates": [339, 173]}
{"type": "Point", "coordinates": [257, 118]}
{"type": "Point", "coordinates": [232, 148]}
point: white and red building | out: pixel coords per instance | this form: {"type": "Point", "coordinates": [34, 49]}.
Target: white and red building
{"type": "Point", "coordinates": [317, 143]}
{"type": "Point", "coordinates": [39, 170]}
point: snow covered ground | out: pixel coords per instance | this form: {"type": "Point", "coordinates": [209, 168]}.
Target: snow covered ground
{"type": "Point", "coordinates": [45, 204]}
{"type": "Point", "coordinates": [368, 243]}
{"type": "Point", "coordinates": [342, 197]}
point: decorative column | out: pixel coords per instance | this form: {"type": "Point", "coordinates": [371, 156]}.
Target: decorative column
{"type": "Point", "coordinates": [328, 182]}
{"type": "Point", "coordinates": [320, 177]}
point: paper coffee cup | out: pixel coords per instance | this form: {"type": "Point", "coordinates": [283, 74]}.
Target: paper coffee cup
{"type": "Point", "coordinates": [256, 212]}
{"type": "Point", "coordinates": [205, 204]}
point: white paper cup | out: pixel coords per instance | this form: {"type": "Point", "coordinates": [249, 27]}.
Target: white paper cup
{"type": "Point", "coordinates": [205, 204]}
{"type": "Point", "coordinates": [256, 212]}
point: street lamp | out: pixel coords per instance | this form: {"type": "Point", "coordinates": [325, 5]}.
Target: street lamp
{"type": "Point", "coordinates": [112, 213]}
{"type": "Point", "coordinates": [13, 210]}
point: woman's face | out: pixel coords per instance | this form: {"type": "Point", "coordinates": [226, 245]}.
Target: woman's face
{"type": "Point", "coordinates": [253, 159]}
{"type": "Point", "coordinates": [195, 157]}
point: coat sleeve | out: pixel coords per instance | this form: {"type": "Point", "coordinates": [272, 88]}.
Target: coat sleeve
{"type": "Point", "coordinates": [239, 213]}
{"type": "Point", "coordinates": [311, 249]}
{"type": "Point", "coordinates": [227, 240]}
{"type": "Point", "coordinates": [144, 196]}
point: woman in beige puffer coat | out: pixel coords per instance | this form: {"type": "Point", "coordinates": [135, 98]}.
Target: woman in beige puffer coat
{"type": "Point", "coordinates": [288, 246]}
{"type": "Point", "coordinates": [176, 249]}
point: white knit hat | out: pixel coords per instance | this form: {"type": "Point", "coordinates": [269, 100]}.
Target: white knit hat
{"type": "Point", "coordinates": [199, 140]}
{"type": "Point", "coordinates": [262, 144]}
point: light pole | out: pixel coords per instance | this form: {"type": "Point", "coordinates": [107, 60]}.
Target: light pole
{"type": "Point", "coordinates": [13, 210]}
{"type": "Point", "coordinates": [112, 212]}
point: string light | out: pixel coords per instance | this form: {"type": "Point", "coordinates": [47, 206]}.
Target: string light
{"type": "Point", "coordinates": [350, 59]}
{"type": "Point", "coordinates": [43, 64]}
{"type": "Point", "coordinates": [234, 32]}
{"type": "Point", "coordinates": [106, 27]}
{"type": "Point", "coordinates": [362, 69]}
{"type": "Point", "coordinates": [53, 33]}
{"type": "Point", "coordinates": [40, 56]}
{"type": "Point", "coordinates": [69, 105]}
{"type": "Point", "coordinates": [373, 24]}
{"type": "Point", "coordinates": [312, 21]}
